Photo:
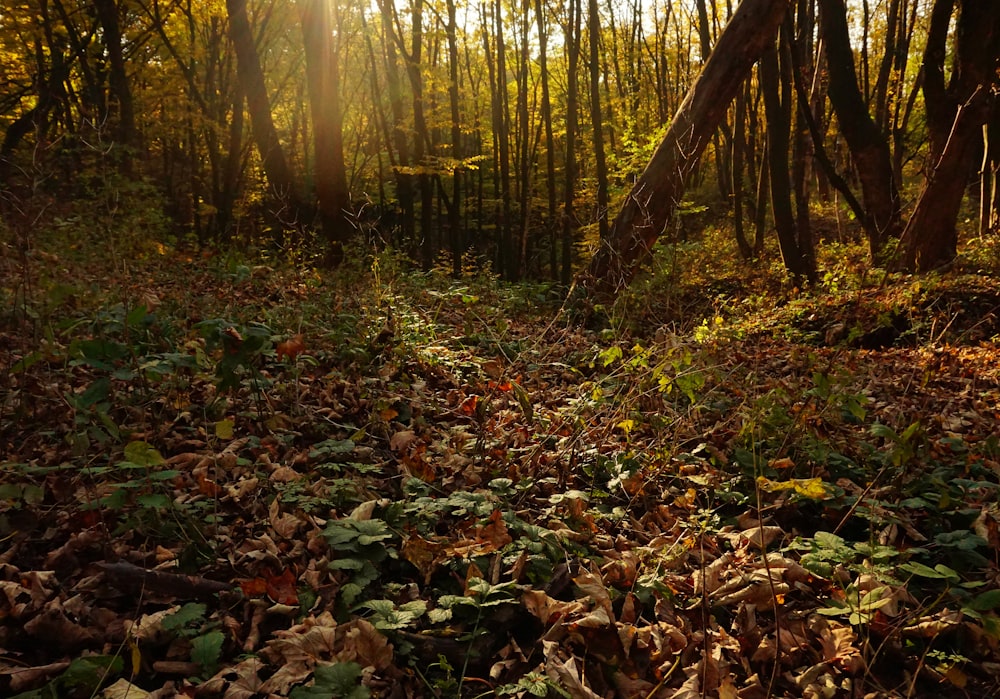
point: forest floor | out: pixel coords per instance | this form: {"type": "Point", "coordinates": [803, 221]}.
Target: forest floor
{"type": "Point", "coordinates": [225, 480]}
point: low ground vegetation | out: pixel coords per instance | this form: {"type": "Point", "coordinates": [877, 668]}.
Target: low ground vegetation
{"type": "Point", "coordinates": [225, 476]}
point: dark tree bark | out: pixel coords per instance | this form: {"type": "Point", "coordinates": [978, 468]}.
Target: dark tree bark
{"type": "Point", "coordinates": [739, 144]}
{"type": "Point", "coordinates": [550, 153]}
{"type": "Point", "coordinates": [955, 115]}
{"type": "Point", "coordinates": [108, 15]}
{"type": "Point", "coordinates": [777, 107]}
{"type": "Point", "coordinates": [251, 78]}
{"type": "Point", "coordinates": [867, 143]}
{"type": "Point", "coordinates": [523, 140]}
{"type": "Point", "coordinates": [507, 254]}
{"type": "Point", "coordinates": [399, 139]}
{"type": "Point", "coordinates": [330, 172]}
{"type": "Point", "coordinates": [796, 60]}
{"type": "Point", "coordinates": [989, 187]}
{"type": "Point", "coordinates": [596, 118]}
{"type": "Point", "coordinates": [455, 233]}
{"type": "Point", "coordinates": [653, 199]}
{"type": "Point", "coordinates": [573, 24]}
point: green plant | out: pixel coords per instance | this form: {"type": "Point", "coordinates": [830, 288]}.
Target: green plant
{"type": "Point", "coordinates": [362, 546]}
{"type": "Point", "coordinates": [334, 681]}
{"type": "Point", "coordinates": [189, 622]}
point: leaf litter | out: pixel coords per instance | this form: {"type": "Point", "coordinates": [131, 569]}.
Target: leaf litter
{"type": "Point", "coordinates": [238, 490]}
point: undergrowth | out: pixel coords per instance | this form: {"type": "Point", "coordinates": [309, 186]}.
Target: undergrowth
{"type": "Point", "coordinates": [377, 478]}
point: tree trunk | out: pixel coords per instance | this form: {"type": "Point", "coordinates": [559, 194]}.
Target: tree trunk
{"type": "Point", "coordinates": [107, 14]}
{"type": "Point", "coordinates": [550, 153]}
{"type": "Point", "coordinates": [654, 197]}
{"type": "Point", "coordinates": [501, 124]}
{"type": "Point", "coordinates": [596, 119]}
{"type": "Point", "coordinates": [455, 233]}
{"type": "Point", "coordinates": [989, 189]}
{"type": "Point", "coordinates": [323, 80]}
{"type": "Point", "coordinates": [777, 109]}
{"type": "Point", "coordinates": [573, 22]}
{"type": "Point", "coordinates": [739, 144]}
{"type": "Point", "coordinates": [955, 116]}
{"type": "Point", "coordinates": [251, 77]}
{"type": "Point", "coordinates": [867, 143]}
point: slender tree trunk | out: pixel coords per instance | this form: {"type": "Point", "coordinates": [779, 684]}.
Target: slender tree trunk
{"type": "Point", "coordinates": [455, 233]}
{"type": "Point", "coordinates": [524, 140]}
{"type": "Point", "coordinates": [867, 143]}
{"type": "Point", "coordinates": [400, 140]}
{"type": "Point", "coordinates": [251, 77]}
{"type": "Point", "coordinates": [989, 188]}
{"type": "Point", "coordinates": [501, 125]}
{"type": "Point", "coordinates": [797, 58]}
{"type": "Point", "coordinates": [108, 15]}
{"type": "Point", "coordinates": [550, 152]}
{"type": "Point", "coordinates": [739, 144]}
{"type": "Point", "coordinates": [651, 203]}
{"type": "Point", "coordinates": [760, 209]}
{"type": "Point", "coordinates": [596, 118]}
{"type": "Point", "coordinates": [778, 111]}
{"type": "Point", "coordinates": [573, 31]}
{"type": "Point", "coordinates": [323, 79]}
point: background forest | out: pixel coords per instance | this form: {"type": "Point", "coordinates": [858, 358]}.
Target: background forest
{"type": "Point", "coordinates": [619, 348]}
{"type": "Point", "coordinates": [498, 135]}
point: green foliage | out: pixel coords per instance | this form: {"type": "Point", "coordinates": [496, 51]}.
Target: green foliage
{"type": "Point", "coordinates": [361, 545]}
{"type": "Point", "coordinates": [334, 681]}
{"type": "Point", "coordinates": [83, 677]}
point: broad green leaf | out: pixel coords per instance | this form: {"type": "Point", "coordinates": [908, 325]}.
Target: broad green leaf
{"type": "Point", "coordinates": [188, 614]}
{"type": "Point", "coordinates": [939, 572]}
{"type": "Point", "coordinates": [986, 601]}
{"type": "Point", "coordinates": [334, 681]}
{"type": "Point", "coordinates": [206, 650]}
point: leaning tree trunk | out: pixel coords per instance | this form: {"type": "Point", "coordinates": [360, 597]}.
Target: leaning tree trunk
{"type": "Point", "coordinates": [251, 78]}
{"type": "Point", "coordinates": [955, 115]}
{"type": "Point", "coordinates": [651, 203]}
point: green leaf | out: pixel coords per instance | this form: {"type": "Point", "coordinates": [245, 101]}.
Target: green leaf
{"type": "Point", "coordinates": [334, 681]}
{"type": "Point", "coordinates": [884, 431]}
{"type": "Point", "coordinates": [206, 650]}
{"type": "Point", "coordinates": [155, 501]}
{"type": "Point", "coordinates": [95, 393]}
{"type": "Point", "coordinates": [986, 601]}
{"type": "Point", "coordinates": [137, 315]}
{"type": "Point", "coordinates": [143, 454]}
{"type": "Point", "coordinates": [938, 572]}
{"type": "Point", "coordinates": [524, 401]}
{"type": "Point", "coordinates": [26, 362]}
{"type": "Point", "coordinates": [190, 613]}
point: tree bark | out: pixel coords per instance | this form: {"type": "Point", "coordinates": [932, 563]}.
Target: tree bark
{"type": "Point", "coordinates": [330, 172]}
{"type": "Point", "coordinates": [955, 116]}
{"type": "Point", "coordinates": [251, 78]}
{"type": "Point", "coordinates": [867, 143]}
{"type": "Point", "coordinates": [777, 108]}
{"type": "Point", "coordinates": [550, 154]}
{"type": "Point", "coordinates": [455, 233]}
{"type": "Point", "coordinates": [596, 119]}
{"type": "Point", "coordinates": [107, 13]}
{"type": "Point", "coordinates": [569, 226]}
{"type": "Point", "coordinates": [653, 199]}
